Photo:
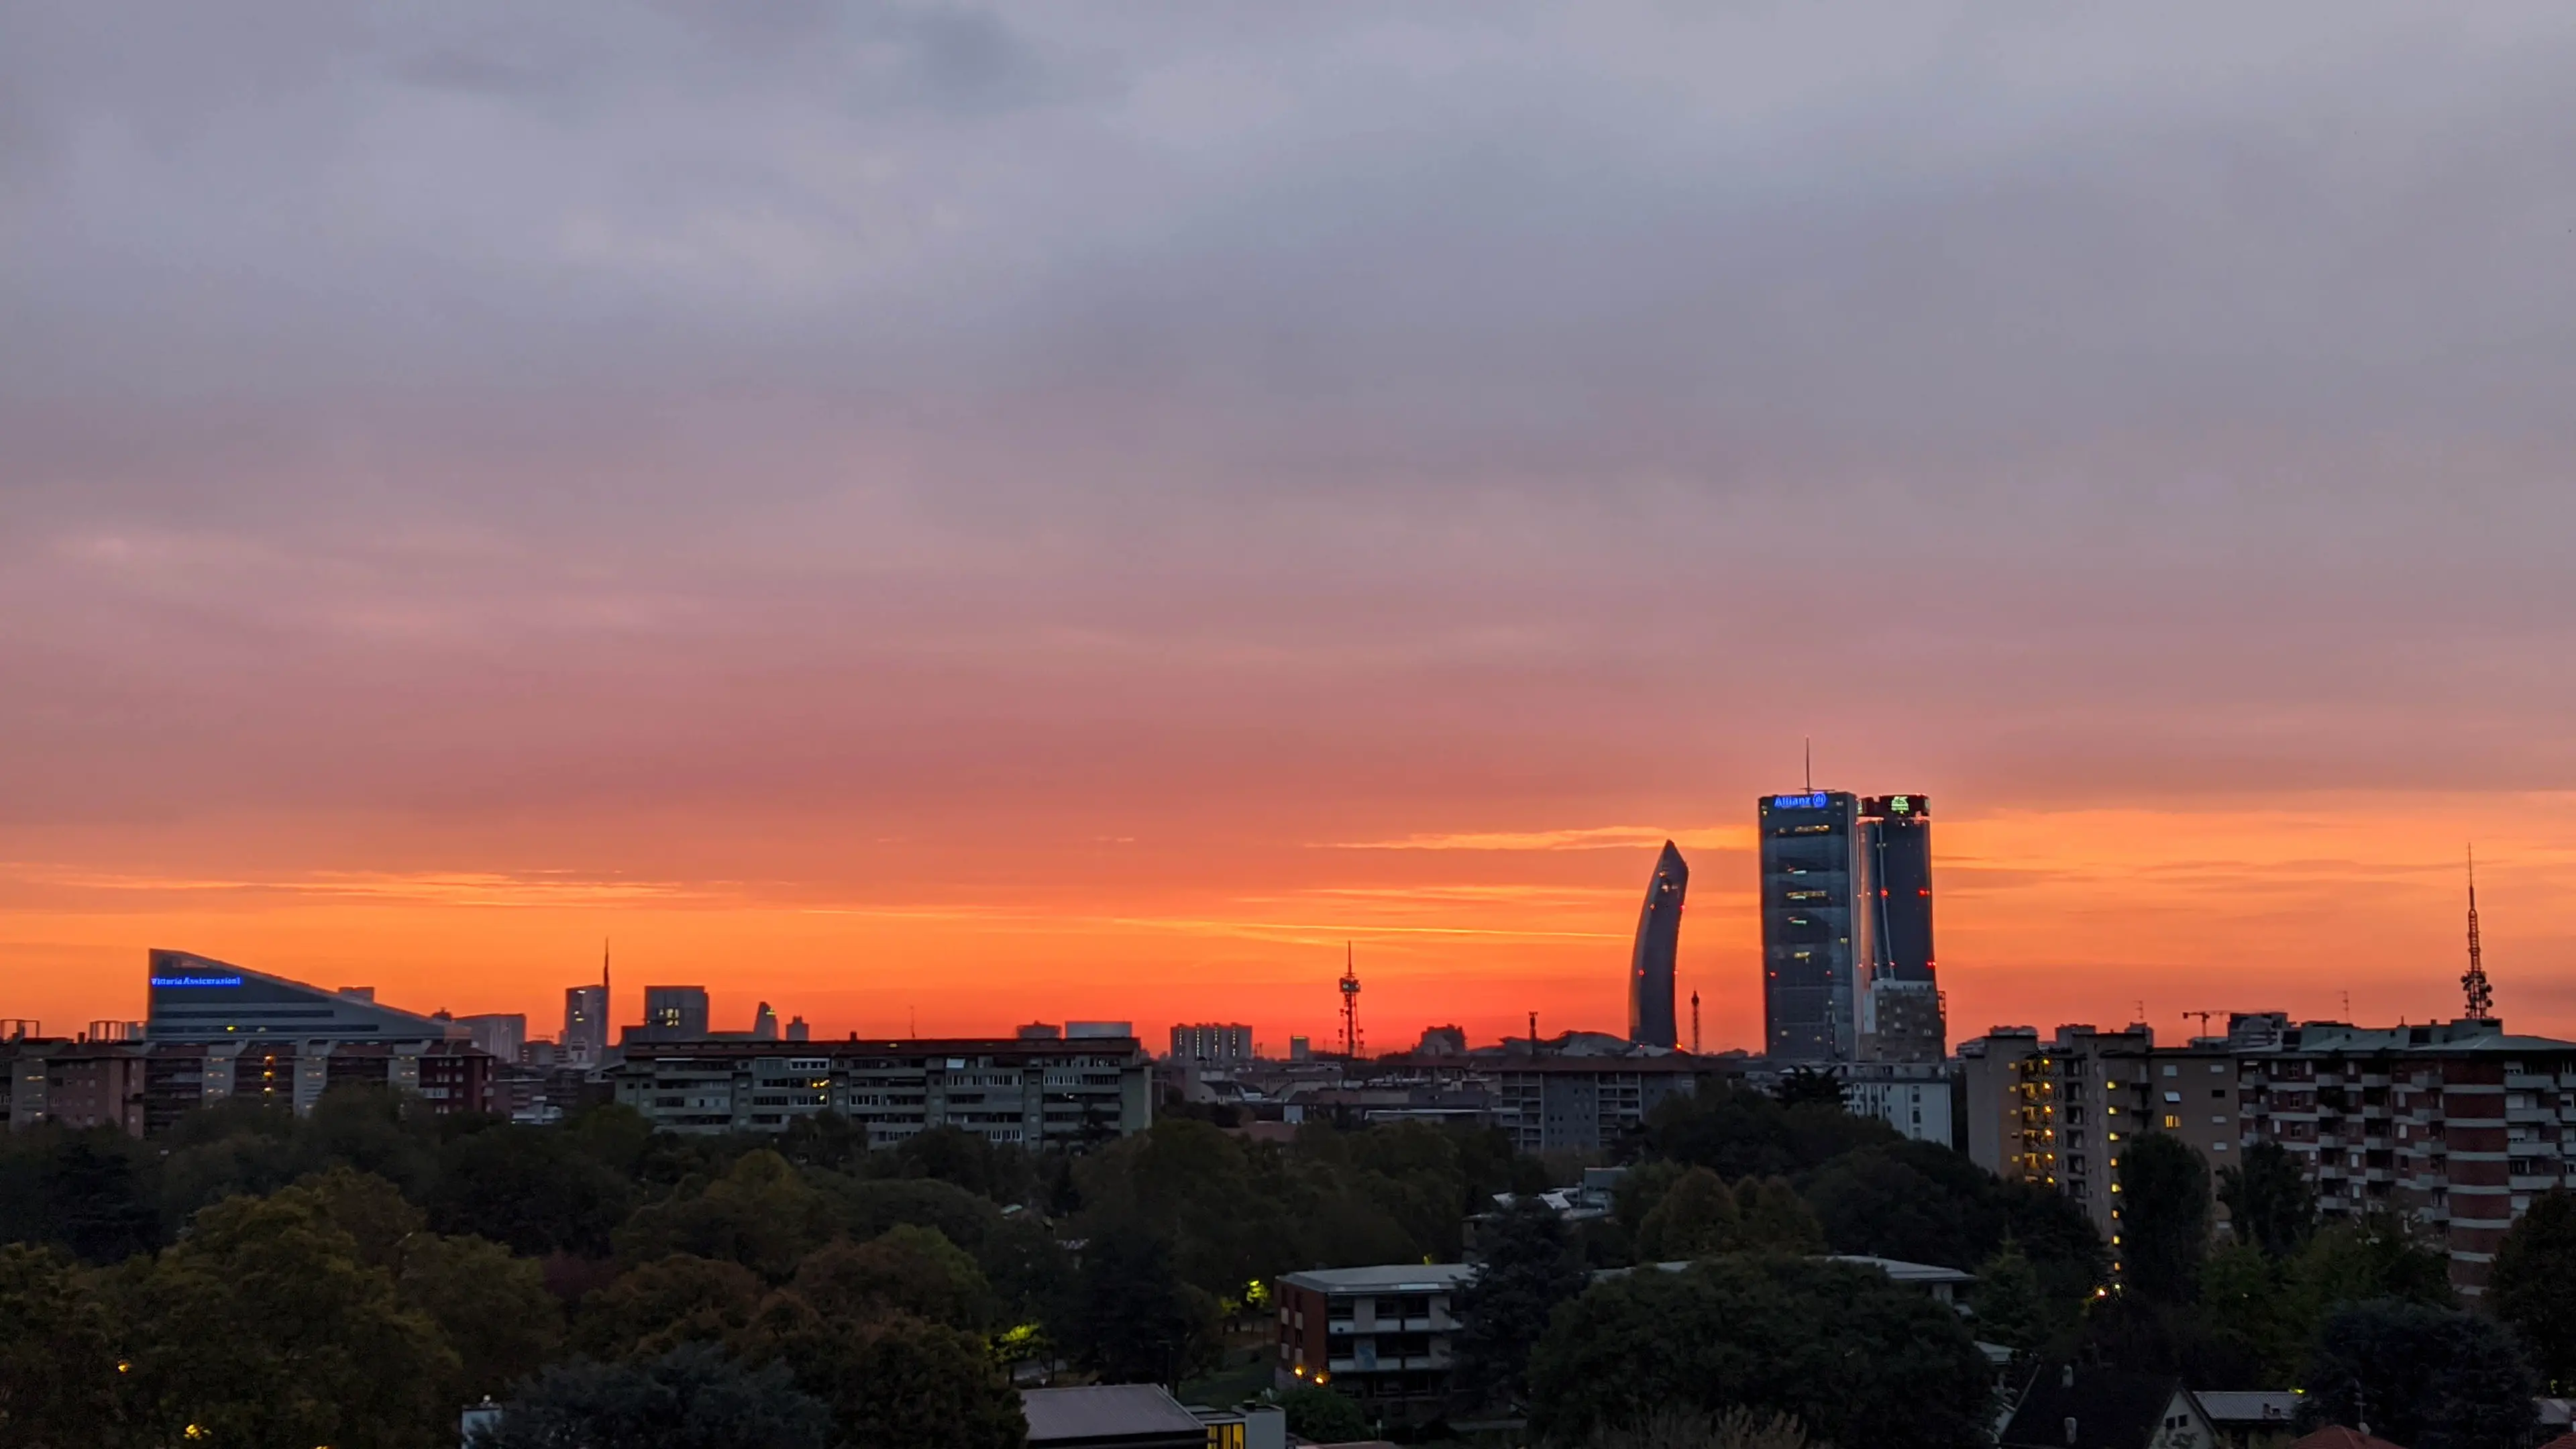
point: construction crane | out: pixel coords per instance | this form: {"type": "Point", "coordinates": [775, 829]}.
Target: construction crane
{"type": "Point", "coordinates": [2204, 1019]}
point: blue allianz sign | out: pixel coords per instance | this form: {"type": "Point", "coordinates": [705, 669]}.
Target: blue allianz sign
{"type": "Point", "coordinates": [1816, 801]}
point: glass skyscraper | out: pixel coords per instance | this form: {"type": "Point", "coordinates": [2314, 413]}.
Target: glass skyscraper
{"type": "Point", "coordinates": [1813, 940]}
{"type": "Point", "coordinates": [1901, 1011]}
{"type": "Point", "coordinates": [1659, 934]}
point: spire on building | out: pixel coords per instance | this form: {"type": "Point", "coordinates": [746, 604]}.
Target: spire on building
{"type": "Point", "coordinates": [2480, 996]}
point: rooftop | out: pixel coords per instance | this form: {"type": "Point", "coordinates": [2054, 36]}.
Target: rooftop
{"type": "Point", "coordinates": [2249, 1406]}
{"type": "Point", "coordinates": [1384, 1278]}
{"type": "Point", "coordinates": [1106, 1412]}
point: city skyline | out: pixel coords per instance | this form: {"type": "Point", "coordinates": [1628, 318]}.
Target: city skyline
{"type": "Point", "coordinates": [1292, 1000]}
{"type": "Point", "coordinates": [955, 512]}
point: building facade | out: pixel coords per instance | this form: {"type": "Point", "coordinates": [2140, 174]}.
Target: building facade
{"type": "Point", "coordinates": [586, 1033]}
{"type": "Point", "coordinates": [1901, 1016]}
{"type": "Point", "coordinates": [1021, 1091]}
{"type": "Point", "coordinates": [1382, 1335]}
{"type": "Point", "coordinates": [1214, 1045]}
{"type": "Point", "coordinates": [144, 1088]}
{"type": "Point", "coordinates": [1912, 1097]}
{"type": "Point", "coordinates": [1814, 942]}
{"type": "Point", "coordinates": [1650, 964]}
{"type": "Point", "coordinates": [1583, 1104]}
{"type": "Point", "coordinates": [2454, 1126]}
{"type": "Point", "coordinates": [198, 999]}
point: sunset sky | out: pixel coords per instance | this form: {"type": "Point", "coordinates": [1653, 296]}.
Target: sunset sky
{"type": "Point", "coordinates": [956, 516]}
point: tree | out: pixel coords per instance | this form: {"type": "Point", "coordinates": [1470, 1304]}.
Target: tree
{"type": "Point", "coordinates": [1527, 1269]}
{"type": "Point", "coordinates": [493, 1309]}
{"type": "Point", "coordinates": [531, 1188]}
{"type": "Point", "coordinates": [2533, 1285]}
{"type": "Point", "coordinates": [264, 1327]}
{"type": "Point", "coordinates": [903, 1270]}
{"type": "Point", "coordinates": [655, 1308]}
{"type": "Point", "coordinates": [1806, 1086]}
{"type": "Point", "coordinates": [689, 1398]}
{"type": "Point", "coordinates": [2430, 1378]}
{"type": "Point", "coordinates": [1321, 1416]}
{"type": "Point", "coordinates": [2381, 1256]}
{"type": "Point", "coordinates": [900, 1383]}
{"type": "Point", "coordinates": [1853, 1356]}
{"type": "Point", "coordinates": [2269, 1203]}
{"type": "Point", "coordinates": [1131, 1319]}
{"type": "Point", "coordinates": [92, 1200]}
{"type": "Point", "coordinates": [1736, 1428]}
{"type": "Point", "coordinates": [58, 1376]}
{"type": "Point", "coordinates": [2010, 1308]}
{"type": "Point", "coordinates": [1696, 1217]}
{"type": "Point", "coordinates": [1879, 1201]}
{"type": "Point", "coordinates": [2164, 1217]}
{"type": "Point", "coordinates": [1776, 1219]}
{"type": "Point", "coordinates": [761, 1213]}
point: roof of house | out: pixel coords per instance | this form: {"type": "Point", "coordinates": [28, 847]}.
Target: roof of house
{"type": "Point", "coordinates": [1904, 1272]}
{"type": "Point", "coordinates": [2336, 1436]}
{"type": "Point", "coordinates": [2248, 1406]}
{"type": "Point", "coordinates": [2563, 1441]}
{"type": "Point", "coordinates": [1105, 1412]}
{"type": "Point", "coordinates": [1385, 1278]}
{"type": "Point", "coordinates": [2111, 1408]}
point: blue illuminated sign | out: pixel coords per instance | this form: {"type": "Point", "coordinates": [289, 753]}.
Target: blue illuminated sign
{"type": "Point", "coordinates": [1817, 801]}
{"type": "Point", "coordinates": [158, 982]}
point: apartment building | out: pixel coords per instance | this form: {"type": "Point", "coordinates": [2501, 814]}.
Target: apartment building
{"type": "Point", "coordinates": [2058, 1113]}
{"type": "Point", "coordinates": [1584, 1104]}
{"type": "Point", "coordinates": [1381, 1335]}
{"type": "Point", "coordinates": [2455, 1125]}
{"type": "Point", "coordinates": [1024, 1091]}
{"type": "Point", "coordinates": [143, 1088]}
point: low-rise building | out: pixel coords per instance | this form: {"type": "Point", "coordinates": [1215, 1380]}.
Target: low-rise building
{"type": "Point", "coordinates": [1023, 1091]}
{"type": "Point", "coordinates": [1912, 1097]}
{"type": "Point", "coordinates": [1381, 1335]}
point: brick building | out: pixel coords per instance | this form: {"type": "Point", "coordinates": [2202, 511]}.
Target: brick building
{"type": "Point", "coordinates": [2454, 1125]}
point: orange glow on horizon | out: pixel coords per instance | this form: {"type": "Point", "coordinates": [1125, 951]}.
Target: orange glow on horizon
{"type": "Point", "coordinates": [2045, 916]}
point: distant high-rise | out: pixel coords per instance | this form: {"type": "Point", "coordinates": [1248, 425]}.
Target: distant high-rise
{"type": "Point", "coordinates": [1814, 944]}
{"type": "Point", "coordinates": [1901, 1001]}
{"type": "Point", "coordinates": [1650, 967]}
{"type": "Point", "coordinates": [675, 1013]}
{"type": "Point", "coordinates": [585, 1028]}
{"type": "Point", "coordinates": [764, 1024]}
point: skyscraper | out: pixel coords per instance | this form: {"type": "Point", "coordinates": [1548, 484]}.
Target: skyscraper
{"type": "Point", "coordinates": [1814, 943]}
{"type": "Point", "coordinates": [1901, 1018]}
{"type": "Point", "coordinates": [1659, 934]}
{"type": "Point", "coordinates": [585, 1028]}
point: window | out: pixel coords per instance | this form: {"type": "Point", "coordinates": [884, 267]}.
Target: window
{"type": "Point", "coordinates": [2218, 1094]}
{"type": "Point", "coordinates": [2172, 1122]}
{"type": "Point", "coordinates": [2171, 1069]}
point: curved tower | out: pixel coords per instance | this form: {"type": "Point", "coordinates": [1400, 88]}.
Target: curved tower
{"type": "Point", "coordinates": [1659, 935]}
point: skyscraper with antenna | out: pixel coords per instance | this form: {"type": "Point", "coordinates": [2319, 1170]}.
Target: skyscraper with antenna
{"type": "Point", "coordinates": [2479, 996]}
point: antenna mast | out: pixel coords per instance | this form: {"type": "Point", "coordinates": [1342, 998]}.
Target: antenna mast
{"type": "Point", "coordinates": [1694, 1023]}
{"type": "Point", "coordinates": [1350, 1004]}
{"type": "Point", "coordinates": [2473, 982]}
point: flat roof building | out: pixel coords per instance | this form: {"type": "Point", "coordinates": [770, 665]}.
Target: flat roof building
{"type": "Point", "coordinates": [199, 999]}
{"type": "Point", "coordinates": [1026, 1092]}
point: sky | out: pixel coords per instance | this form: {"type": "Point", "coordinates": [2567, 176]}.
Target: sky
{"type": "Point", "coordinates": [938, 517]}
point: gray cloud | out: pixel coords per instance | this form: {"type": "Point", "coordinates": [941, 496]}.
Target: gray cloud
{"type": "Point", "coordinates": [1049, 395]}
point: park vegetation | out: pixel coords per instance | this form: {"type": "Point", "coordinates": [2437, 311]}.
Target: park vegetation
{"type": "Point", "coordinates": [357, 1276]}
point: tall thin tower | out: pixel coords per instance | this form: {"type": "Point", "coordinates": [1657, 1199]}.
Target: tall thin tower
{"type": "Point", "coordinates": [2473, 982]}
{"type": "Point", "coordinates": [1350, 1004]}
